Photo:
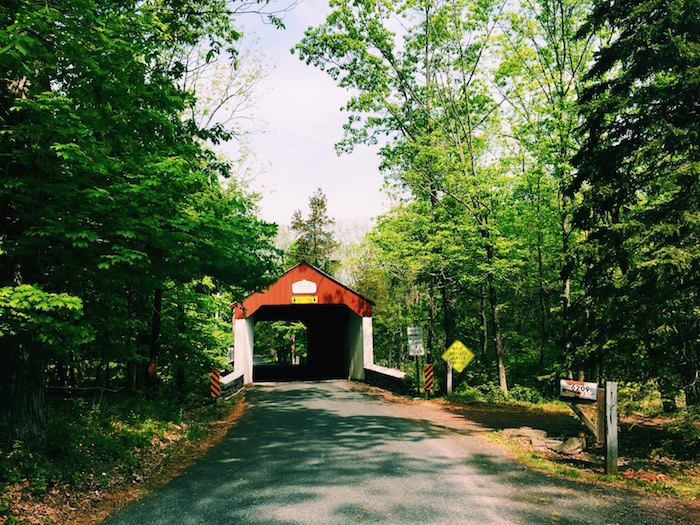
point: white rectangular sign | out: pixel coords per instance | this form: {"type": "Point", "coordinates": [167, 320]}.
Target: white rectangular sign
{"type": "Point", "coordinates": [304, 286]}
{"type": "Point", "coordinates": [577, 391]}
{"type": "Point", "coordinates": [415, 340]}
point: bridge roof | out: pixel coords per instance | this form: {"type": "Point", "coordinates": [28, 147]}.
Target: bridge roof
{"type": "Point", "coordinates": [304, 285]}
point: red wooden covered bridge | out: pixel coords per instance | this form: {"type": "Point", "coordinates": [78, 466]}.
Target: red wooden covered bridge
{"type": "Point", "coordinates": [338, 324]}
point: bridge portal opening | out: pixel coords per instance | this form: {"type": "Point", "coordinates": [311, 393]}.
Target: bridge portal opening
{"type": "Point", "coordinates": [336, 321]}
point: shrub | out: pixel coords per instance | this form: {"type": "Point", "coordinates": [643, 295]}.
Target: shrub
{"type": "Point", "coordinates": [639, 397]}
{"type": "Point", "coordinates": [525, 394]}
{"type": "Point", "coordinates": [492, 393]}
{"type": "Point", "coordinates": [468, 393]}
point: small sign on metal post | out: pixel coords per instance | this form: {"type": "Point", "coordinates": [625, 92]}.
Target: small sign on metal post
{"type": "Point", "coordinates": [415, 340]}
{"type": "Point", "coordinates": [416, 349]}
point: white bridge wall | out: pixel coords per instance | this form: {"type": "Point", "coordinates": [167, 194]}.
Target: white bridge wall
{"type": "Point", "coordinates": [359, 340]}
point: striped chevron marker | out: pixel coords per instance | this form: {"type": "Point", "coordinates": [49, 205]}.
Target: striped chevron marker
{"type": "Point", "coordinates": [428, 373]}
{"type": "Point", "coordinates": [215, 384]}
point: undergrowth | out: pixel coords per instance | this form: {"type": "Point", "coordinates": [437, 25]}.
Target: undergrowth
{"type": "Point", "coordinates": [90, 441]}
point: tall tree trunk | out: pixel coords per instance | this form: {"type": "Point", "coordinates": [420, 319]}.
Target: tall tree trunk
{"type": "Point", "coordinates": [565, 273]}
{"type": "Point", "coordinates": [495, 316]}
{"type": "Point", "coordinates": [484, 332]}
{"type": "Point", "coordinates": [431, 320]}
{"type": "Point", "coordinates": [22, 390]}
{"type": "Point", "coordinates": [691, 373]}
{"type": "Point", "coordinates": [71, 369]}
{"type": "Point", "coordinates": [540, 278]}
{"type": "Point", "coordinates": [154, 347]}
{"type": "Point", "coordinates": [180, 353]}
{"type": "Point", "coordinates": [449, 317]}
{"type": "Point", "coordinates": [497, 341]}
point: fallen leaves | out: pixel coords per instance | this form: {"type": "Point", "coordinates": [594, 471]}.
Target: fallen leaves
{"type": "Point", "coordinates": [644, 475]}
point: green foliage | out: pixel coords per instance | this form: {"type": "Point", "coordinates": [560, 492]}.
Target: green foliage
{"type": "Point", "coordinates": [638, 174]}
{"type": "Point", "coordinates": [639, 397]}
{"type": "Point", "coordinates": [52, 317]}
{"type": "Point", "coordinates": [122, 236]}
{"type": "Point", "coordinates": [281, 341]}
{"type": "Point", "coordinates": [655, 487]}
{"type": "Point", "coordinates": [90, 442]}
{"type": "Point", "coordinates": [686, 427]}
{"type": "Point", "coordinates": [525, 394]}
{"type": "Point", "coordinates": [314, 241]}
{"type": "Point", "coordinates": [492, 393]}
{"type": "Point", "coordinates": [468, 393]}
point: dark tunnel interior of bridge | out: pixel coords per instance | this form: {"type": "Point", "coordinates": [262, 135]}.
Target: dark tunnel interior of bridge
{"type": "Point", "coordinates": [326, 332]}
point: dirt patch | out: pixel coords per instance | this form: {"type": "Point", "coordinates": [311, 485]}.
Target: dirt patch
{"type": "Point", "coordinates": [158, 464]}
{"type": "Point", "coordinates": [498, 417]}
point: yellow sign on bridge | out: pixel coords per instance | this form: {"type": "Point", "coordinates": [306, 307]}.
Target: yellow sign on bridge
{"type": "Point", "coordinates": [305, 299]}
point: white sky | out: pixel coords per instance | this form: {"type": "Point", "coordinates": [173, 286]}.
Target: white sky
{"type": "Point", "coordinates": [301, 108]}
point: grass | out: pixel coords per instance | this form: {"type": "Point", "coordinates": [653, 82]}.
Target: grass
{"type": "Point", "coordinates": [93, 445]}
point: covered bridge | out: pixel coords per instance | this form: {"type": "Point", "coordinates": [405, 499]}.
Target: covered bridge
{"type": "Point", "coordinates": [338, 324]}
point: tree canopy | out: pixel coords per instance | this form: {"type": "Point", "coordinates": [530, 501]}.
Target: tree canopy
{"type": "Point", "coordinates": [117, 222]}
{"type": "Point", "coordinates": [314, 242]}
{"type": "Point", "coordinates": [542, 160]}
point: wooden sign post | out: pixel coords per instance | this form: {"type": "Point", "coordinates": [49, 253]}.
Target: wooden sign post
{"type": "Point", "coordinates": [604, 428]}
{"type": "Point", "coordinates": [611, 427]}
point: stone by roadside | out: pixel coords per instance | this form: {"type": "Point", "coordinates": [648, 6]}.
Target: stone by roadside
{"type": "Point", "coordinates": [539, 440]}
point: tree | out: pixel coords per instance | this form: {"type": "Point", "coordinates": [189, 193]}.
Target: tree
{"type": "Point", "coordinates": [639, 176]}
{"type": "Point", "coordinates": [540, 77]}
{"type": "Point", "coordinates": [314, 241]}
{"type": "Point", "coordinates": [424, 90]}
{"type": "Point", "coordinates": [109, 203]}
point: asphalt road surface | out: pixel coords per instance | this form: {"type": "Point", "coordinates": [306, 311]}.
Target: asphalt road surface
{"type": "Point", "coordinates": [331, 453]}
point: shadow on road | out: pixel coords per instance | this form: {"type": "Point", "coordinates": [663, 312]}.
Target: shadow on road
{"type": "Point", "coordinates": [328, 454]}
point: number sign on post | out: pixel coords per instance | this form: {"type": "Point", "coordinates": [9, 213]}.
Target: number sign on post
{"type": "Point", "coordinates": [605, 428]}
{"type": "Point", "coordinates": [415, 340]}
{"type": "Point", "coordinates": [577, 391]}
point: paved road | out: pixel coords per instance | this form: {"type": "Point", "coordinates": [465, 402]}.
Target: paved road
{"type": "Point", "coordinates": [329, 453]}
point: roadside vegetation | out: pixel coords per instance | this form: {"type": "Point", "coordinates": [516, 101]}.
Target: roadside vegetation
{"type": "Point", "coordinates": [659, 452]}
{"type": "Point", "coordinates": [103, 450]}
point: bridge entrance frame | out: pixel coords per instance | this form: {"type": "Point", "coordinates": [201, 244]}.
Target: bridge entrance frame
{"type": "Point", "coordinates": [306, 293]}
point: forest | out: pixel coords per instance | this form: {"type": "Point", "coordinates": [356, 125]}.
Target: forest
{"type": "Point", "coordinates": [542, 159]}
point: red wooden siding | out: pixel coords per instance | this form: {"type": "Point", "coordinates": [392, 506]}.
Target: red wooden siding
{"type": "Point", "coordinates": [329, 291]}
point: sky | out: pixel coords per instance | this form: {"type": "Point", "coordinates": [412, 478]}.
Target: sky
{"type": "Point", "coordinates": [301, 108]}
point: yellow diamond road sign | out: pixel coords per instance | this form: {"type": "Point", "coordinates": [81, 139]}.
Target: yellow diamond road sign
{"type": "Point", "coordinates": [459, 355]}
